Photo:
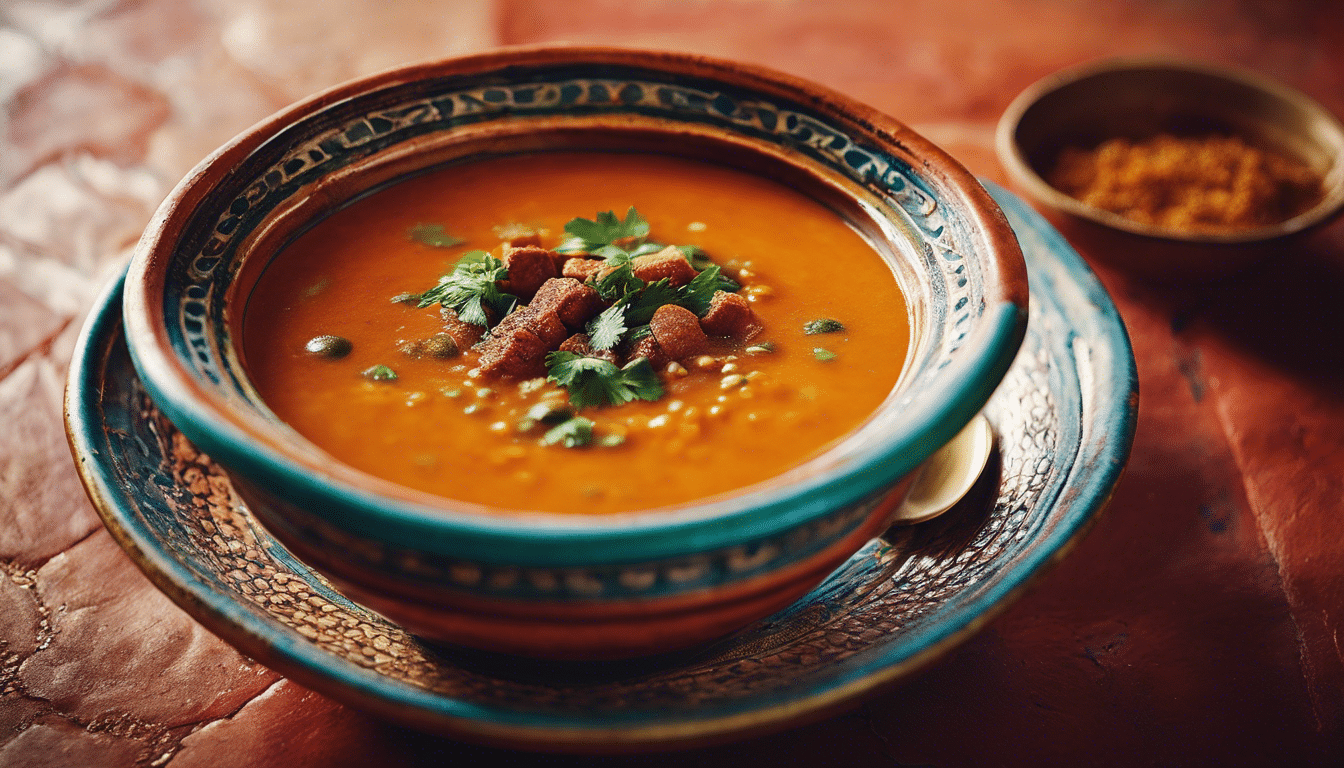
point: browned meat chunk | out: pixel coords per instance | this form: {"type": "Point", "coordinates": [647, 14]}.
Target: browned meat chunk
{"type": "Point", "coordinates": [516, 354]}
{"type": "Point", "coordinates": [465, 334]}
{"type": "Point", "coordinates": [580, 344]}
{"type": "Point", "coordinates": [529, 267]}
{"type": "Point", "coordinates": [544, 324]}
{"type": "Point", "coordinates": [648, 348]}
{"type": "Point", "coordinates": [677, 331]}
{"type": "Point", "coordinates": [730, 315]}
{"type": "Point", "coordinates": [573, 301]}
{"type": "Point", "coordinates": [669, 262]}
{"type": "Point", "coordinates": [581, 269]}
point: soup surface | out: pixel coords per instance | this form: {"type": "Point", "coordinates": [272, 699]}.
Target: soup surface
{"type": "Point", "coordinates": [339, 347]}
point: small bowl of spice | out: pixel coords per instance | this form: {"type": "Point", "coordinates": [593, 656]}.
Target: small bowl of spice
{"type": "Point", "coordinates": [1174, 170]}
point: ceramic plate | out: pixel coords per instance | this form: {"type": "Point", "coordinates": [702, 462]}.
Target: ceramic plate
{"type": "Point", "coordinates": [1064, 420]}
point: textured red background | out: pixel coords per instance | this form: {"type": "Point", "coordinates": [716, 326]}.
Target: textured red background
{"type": "Point", "coordinates": [1199, 623]}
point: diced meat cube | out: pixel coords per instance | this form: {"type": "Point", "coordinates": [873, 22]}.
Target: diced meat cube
{"type": "Point", "coordinates": [581, 269]}
{"type": "Point", "coordinates": [465, 334]}
{"type": "Point", "coordinates": [544, 324]}
{"type": "Point", "coordinates": [529, 267]}
{"type": "Point", "coordinates": [730, 315]}
{"type": "Point", "coordinates": [573, 301]}
{"type": "Point", "coordinates": [669, 262]}
{"type": "Point", "coordinates": [649, 349]}
{"type": "Point", "coordinates": [678, 333]}
{"type": "Point", "coordinates": [580, 344]}
{"type": "Point", "coordinates": [517, 354]}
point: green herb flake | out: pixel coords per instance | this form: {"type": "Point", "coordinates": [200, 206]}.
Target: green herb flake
{"type": "Point", "coordinates": [592, 381]}
{"type": "Point", "coordinates": [406, 298]}
{"type": "Point", "coordinates": [822, 354]}
{"type": "Point", "coordinates": [697, 294]}
{"type": "Point", "coordinates": [433, 235]}
{"type": "Point", "coordinates": [640, 307]}
{"type": "Point", "coordinates": [472, 288]}
{"type": "Point", "coordinates": [823, 325]}
{"type": "Point", "coordinates": [380, 373]}
{"type": "Point", "coordinates": [605, 229]}
{"type": "Point", "coordinates": [605, 330]}
{"type": "Point", "coordinates": [572, 433]}
{"type": "Point", "coordinates": [764, 348]}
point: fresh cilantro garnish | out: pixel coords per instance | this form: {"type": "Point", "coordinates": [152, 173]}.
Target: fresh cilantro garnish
{"type": "Point", "coordinates": [823, 325]}
{"type": "Point", "coordinates": [618, 282]}
{"type": "Point", "coordinates": [824, 355]}
{"type": "Point", "coordinates": [589, 235]}
{"type": "Point", "coordinates": [605, 330]}
{"type": "Point", "coordinates": [471, 289]}
{"type": "Point", "coordinates": [593, 381]}
{"type": "Point", "coordinates": [572, 433]}
{"type": "Point", "coordinates": [641, 306]}
{"type": "Point", "coordinates": [697, 294]}
{"type": "Point", "coordinates": [380, 373]}
{"type": "Point", "coordinates": [433, 235]}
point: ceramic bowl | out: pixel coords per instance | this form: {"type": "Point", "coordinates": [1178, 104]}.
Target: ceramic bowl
{"type": "Point", "coordinates": [574, 586]}
{"type": "Point", "coordinates": [1137, 98]}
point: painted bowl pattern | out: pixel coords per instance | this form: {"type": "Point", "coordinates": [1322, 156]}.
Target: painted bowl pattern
{"type": "Point", "coordinates": [412, 555]}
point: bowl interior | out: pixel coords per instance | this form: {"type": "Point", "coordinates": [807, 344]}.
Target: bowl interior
{"type": "Point", "coordinates": [948, 245]}
{"type": "Point", "coordinates": [1141, 99]}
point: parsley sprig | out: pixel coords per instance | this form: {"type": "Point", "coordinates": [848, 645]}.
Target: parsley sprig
{"type": "Point", "coordinates": [593, 381]}
{"type": "Point", "coordinates": [471, 289]}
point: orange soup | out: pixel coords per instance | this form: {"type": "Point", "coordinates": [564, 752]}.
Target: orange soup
{"type": "Point", "coordinates": [742, 328]}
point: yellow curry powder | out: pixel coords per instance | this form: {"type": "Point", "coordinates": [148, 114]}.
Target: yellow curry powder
{"type": "Point", "coordinates": [1205, 183]}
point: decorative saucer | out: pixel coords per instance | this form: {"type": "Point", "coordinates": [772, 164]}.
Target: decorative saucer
{"type": "Point", "coordinates": [1064, 420]}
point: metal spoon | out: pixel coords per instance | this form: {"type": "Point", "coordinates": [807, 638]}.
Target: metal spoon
{"type": "Point", "coordinates": [948, 474]}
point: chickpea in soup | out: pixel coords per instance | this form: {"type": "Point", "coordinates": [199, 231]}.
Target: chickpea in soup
{"type": "Point", "coordinates": [577, 332]}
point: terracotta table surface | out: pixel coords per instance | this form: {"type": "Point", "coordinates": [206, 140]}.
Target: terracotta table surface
{"type": "Point", "coordinates": [1199, 623]}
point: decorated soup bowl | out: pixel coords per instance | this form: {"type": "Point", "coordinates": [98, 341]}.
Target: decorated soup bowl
{"type": "Point", "coordinates": [575, 352]}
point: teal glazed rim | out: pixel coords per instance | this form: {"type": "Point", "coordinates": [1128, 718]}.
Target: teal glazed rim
{"type": "Point", "coordinates": [1075, 330]}
{"type": "Point", "coordinates": [194, 237]}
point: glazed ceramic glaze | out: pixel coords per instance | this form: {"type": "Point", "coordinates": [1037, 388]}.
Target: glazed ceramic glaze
{"type": "Point", "coordinates": [1138, 98]}
{"type": "Point", "coordinates": [574, 586]}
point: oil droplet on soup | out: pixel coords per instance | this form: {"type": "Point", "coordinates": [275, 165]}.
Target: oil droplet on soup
{"type": "Point", "coordinates": [412, 402]}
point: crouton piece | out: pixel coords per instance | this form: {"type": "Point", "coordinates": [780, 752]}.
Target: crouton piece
{"type": "Point", "coordinates": [517, 354]}
{"type": "Point", "coordinates": [730, 315]}
{"type": "Point", "coordinates": [581, 269]}
{"type": "Point", "coordinates": [669, 262]}
{"type": "Point", "coordinates": [573, 301]}
{"type": "Point", "coordinates": [464, 334]}
{"type": "Point", "coordinates": [678, 333]}
{"type": "Point", "coordinates": [529, 267]}
{"type": "Point", "coordinates": [580, 344]}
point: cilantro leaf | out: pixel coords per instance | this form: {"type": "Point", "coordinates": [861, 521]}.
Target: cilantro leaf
{"type": "Point", "coordinates": [433, 235]}
{"type": "Point", "coordinates": [618, 282]}
{"type": "Point", "coordinates": [697, 294]}
{"type": "Point", "coordinates": [472, 288]}
{"type": "Point", "coordinates": [571, 433]}
{"type": "Point", "coordinates": [823, 355]}
{"type": "Point", "coordinates": [604, 229]}
{"type": "Point", "coordinates": [605, 330]}
{"type": "Point", "coordinates": [593, 381]}
{"type": "Point", "coordinates": [641, 306]}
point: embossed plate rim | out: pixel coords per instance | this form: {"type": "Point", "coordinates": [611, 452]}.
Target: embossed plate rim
{"type": "Point", "coordinates": [1106, 442]}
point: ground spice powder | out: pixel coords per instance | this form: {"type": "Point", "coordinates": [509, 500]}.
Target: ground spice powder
{"type": "Point", "coordinates": [1202, 183]}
